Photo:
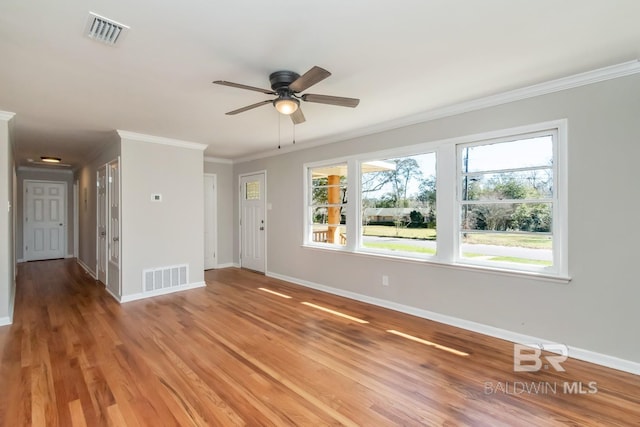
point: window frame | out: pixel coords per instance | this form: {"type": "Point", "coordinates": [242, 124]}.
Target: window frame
{"type": "Point", "coordinates": [554, 269]}
{"type": "Point", "coordinates": [410, 151]}
{"type": "Point", "coordinates": [308, 205]}
{"type": "Point", "coordinates": [448, 201]}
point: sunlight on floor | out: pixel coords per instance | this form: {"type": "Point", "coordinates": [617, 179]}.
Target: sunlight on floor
{"type": "Point", "coordinates": [355, 319]}
{"type": "Point", "coordinates": [337, 313]}
{"type": "Point", "coordinates": [275, 293]}
{"type": "Point", "coordinates": [429, 343]}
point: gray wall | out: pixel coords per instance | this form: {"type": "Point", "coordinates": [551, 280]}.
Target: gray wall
{"type": "Point", "coordinates": [43, 175]}
{"type": "Point", "coordinates": [597, 311]}
{"type": "Point", "coordinates": [7, 237]}
{"type": "Point", "coordinates": [225, 233]}
{"type": "Point", "coordinates": [161, 234]}
{"type": "Point", "coordinates": [87, 204]}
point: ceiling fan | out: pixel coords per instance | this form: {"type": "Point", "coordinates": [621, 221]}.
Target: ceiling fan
{"type": "Point", "coordinates": [287, 85]}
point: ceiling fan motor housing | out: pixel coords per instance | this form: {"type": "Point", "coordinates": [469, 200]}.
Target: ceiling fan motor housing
{"type": "Point", "coordinates": [280, 81]}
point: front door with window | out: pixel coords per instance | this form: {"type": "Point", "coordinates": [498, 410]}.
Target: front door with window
{"type": "Point", "coordinates": [252, 222]}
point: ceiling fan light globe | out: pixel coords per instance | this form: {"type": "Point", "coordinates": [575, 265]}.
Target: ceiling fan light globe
{"type": "Point", "coordinates": [286, 106]}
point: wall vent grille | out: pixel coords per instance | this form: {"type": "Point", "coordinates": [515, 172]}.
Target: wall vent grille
{"type": "Point", "coordinates": [104, 30]}
{"type": "Point", "coordinates": [165, 277]}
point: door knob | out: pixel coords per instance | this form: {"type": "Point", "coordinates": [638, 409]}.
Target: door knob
{"type": "Point", "coordinates": [60, 224]}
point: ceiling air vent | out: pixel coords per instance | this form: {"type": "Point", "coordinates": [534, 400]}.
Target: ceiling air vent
{"type": "Point", "coordinates": [104, 30]}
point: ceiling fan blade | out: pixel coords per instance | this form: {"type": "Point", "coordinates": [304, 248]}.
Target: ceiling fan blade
{"type": "Point", "coordinates": [297, 117]}
{"type": "Point", "coordinates": [332, 100]}
{"type": "Point", "coordinates": [308, 79]}
{"type": "Point", "coordinates": [249, 107]}
{"type": "Point", "coordinates": [241, 86]}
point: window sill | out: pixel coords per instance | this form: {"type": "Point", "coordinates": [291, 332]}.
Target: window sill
{"type": "Point", "coordinates": [432, 261]}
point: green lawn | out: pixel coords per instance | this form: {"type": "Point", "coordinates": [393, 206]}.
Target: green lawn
{"type": "Point", "coordinates": [520, 260]}
{"type": "Point", "coordinates": [410, 248]}
{"type": "Point", "coordinates": [496, 239]}
{"type": "Point", "coordinates": [399, 247]}
{"type": "Point", "coordinates": [405, 233]}
{"type": "Point", "coordinates": [519, 240]}
{"type": "Point", "coordinates": [508, 259]}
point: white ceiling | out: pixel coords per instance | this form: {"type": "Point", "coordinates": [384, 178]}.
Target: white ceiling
{"type": "Point", "coordinates": [400, 58]}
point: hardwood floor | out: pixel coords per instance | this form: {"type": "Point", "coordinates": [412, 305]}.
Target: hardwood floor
{"type": "Point", "coordinates": [235, 354]}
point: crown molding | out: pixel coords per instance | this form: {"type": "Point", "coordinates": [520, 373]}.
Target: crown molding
{"type": "Point", "coordinates": [43, 170]}
{"type": "Point", "coordinates": [551, 86]}
{"type": "Point", "coordinates": [161, 140]}
{"type": "Point", "coordinates": [6, 115]}
{"type": "Point", "coordinates": [557, 85]}
{"type": "Point", "coordinates": [209, 159]}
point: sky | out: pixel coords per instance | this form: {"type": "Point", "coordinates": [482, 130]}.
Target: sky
{"type": "Point", "coordinates": [529, 152]}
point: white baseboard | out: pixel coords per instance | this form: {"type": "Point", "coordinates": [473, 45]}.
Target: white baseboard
{"type": "Point", "coordinates": [226, 265]}
{"type": "Point", "coordinates": [86, 268]}
{"type": "Point", "coordinates": [5, 321]}
{"type": "Point", "coordinates": [574, 352]}
{"type": "Point", "coordinates": [165, 291]}
{"type": "Point", "coordinates": [19, 260]}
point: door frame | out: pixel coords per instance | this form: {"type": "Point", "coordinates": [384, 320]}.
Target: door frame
{"type": "Point", "coordinates": [215, 216]}
{"type": "Point", "coordinates": [110, 229]}
{"type": "Point", "coordinates": [264, 209]}
{"type": "Point", "coordinates": [76, 220]}
{"type": "Point", "coordinates": [25, 212]}
{"type": "Point", "coordinates": [106, 214]}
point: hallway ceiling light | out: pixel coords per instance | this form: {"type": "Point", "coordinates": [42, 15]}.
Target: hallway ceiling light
{"type": "Point", "coordinates": [50, 159]}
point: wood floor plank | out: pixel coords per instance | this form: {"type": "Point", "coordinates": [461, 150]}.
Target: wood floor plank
{"type": "Point", "coordinates": [234, 354]}
{"type": "Point", "coordinates": [77, 415]}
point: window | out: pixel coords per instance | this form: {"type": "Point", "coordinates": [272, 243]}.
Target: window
{"type": "Point", "coordinates": [501, 201]}
{"type": "Point", "coordinates": [399, 205]}
{"type": "Point", "coordinates": [506, 201]}
{"type": "Point", "coordinates": [252, 190]}
{"type": "Point", "coordinates": [327, 204]}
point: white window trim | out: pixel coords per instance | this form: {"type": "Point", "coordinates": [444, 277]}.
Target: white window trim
{"type": "Point", "coordinates": [447, 170]}
{"type": "Point", "coordinates": [407, 151]}
{"type": "Point", "coordinates": [307, 239]}
{"type": "Point", "coordinates": [557, 129]}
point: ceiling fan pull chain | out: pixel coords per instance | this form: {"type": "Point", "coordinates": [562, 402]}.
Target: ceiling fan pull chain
{"type": "Point", "coordinates": [279, 138]}
{"type": "Point", "coordinates": [294, 134]}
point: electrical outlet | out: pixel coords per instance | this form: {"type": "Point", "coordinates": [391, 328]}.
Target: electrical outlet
{"type": "Point", "coordinates": [385, 280]}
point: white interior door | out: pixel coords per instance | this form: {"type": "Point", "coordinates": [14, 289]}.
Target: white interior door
{"type": "Point", "coordinates": [253, 222]}
{"type": "Point", "coordinates": [45, 214]}
{"type": "Point", "coordinates": [113, 230]}
{"type": "Point", "coordinates": [102, 224]}
{"type": "Point", "coordinates": [210, 216]}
